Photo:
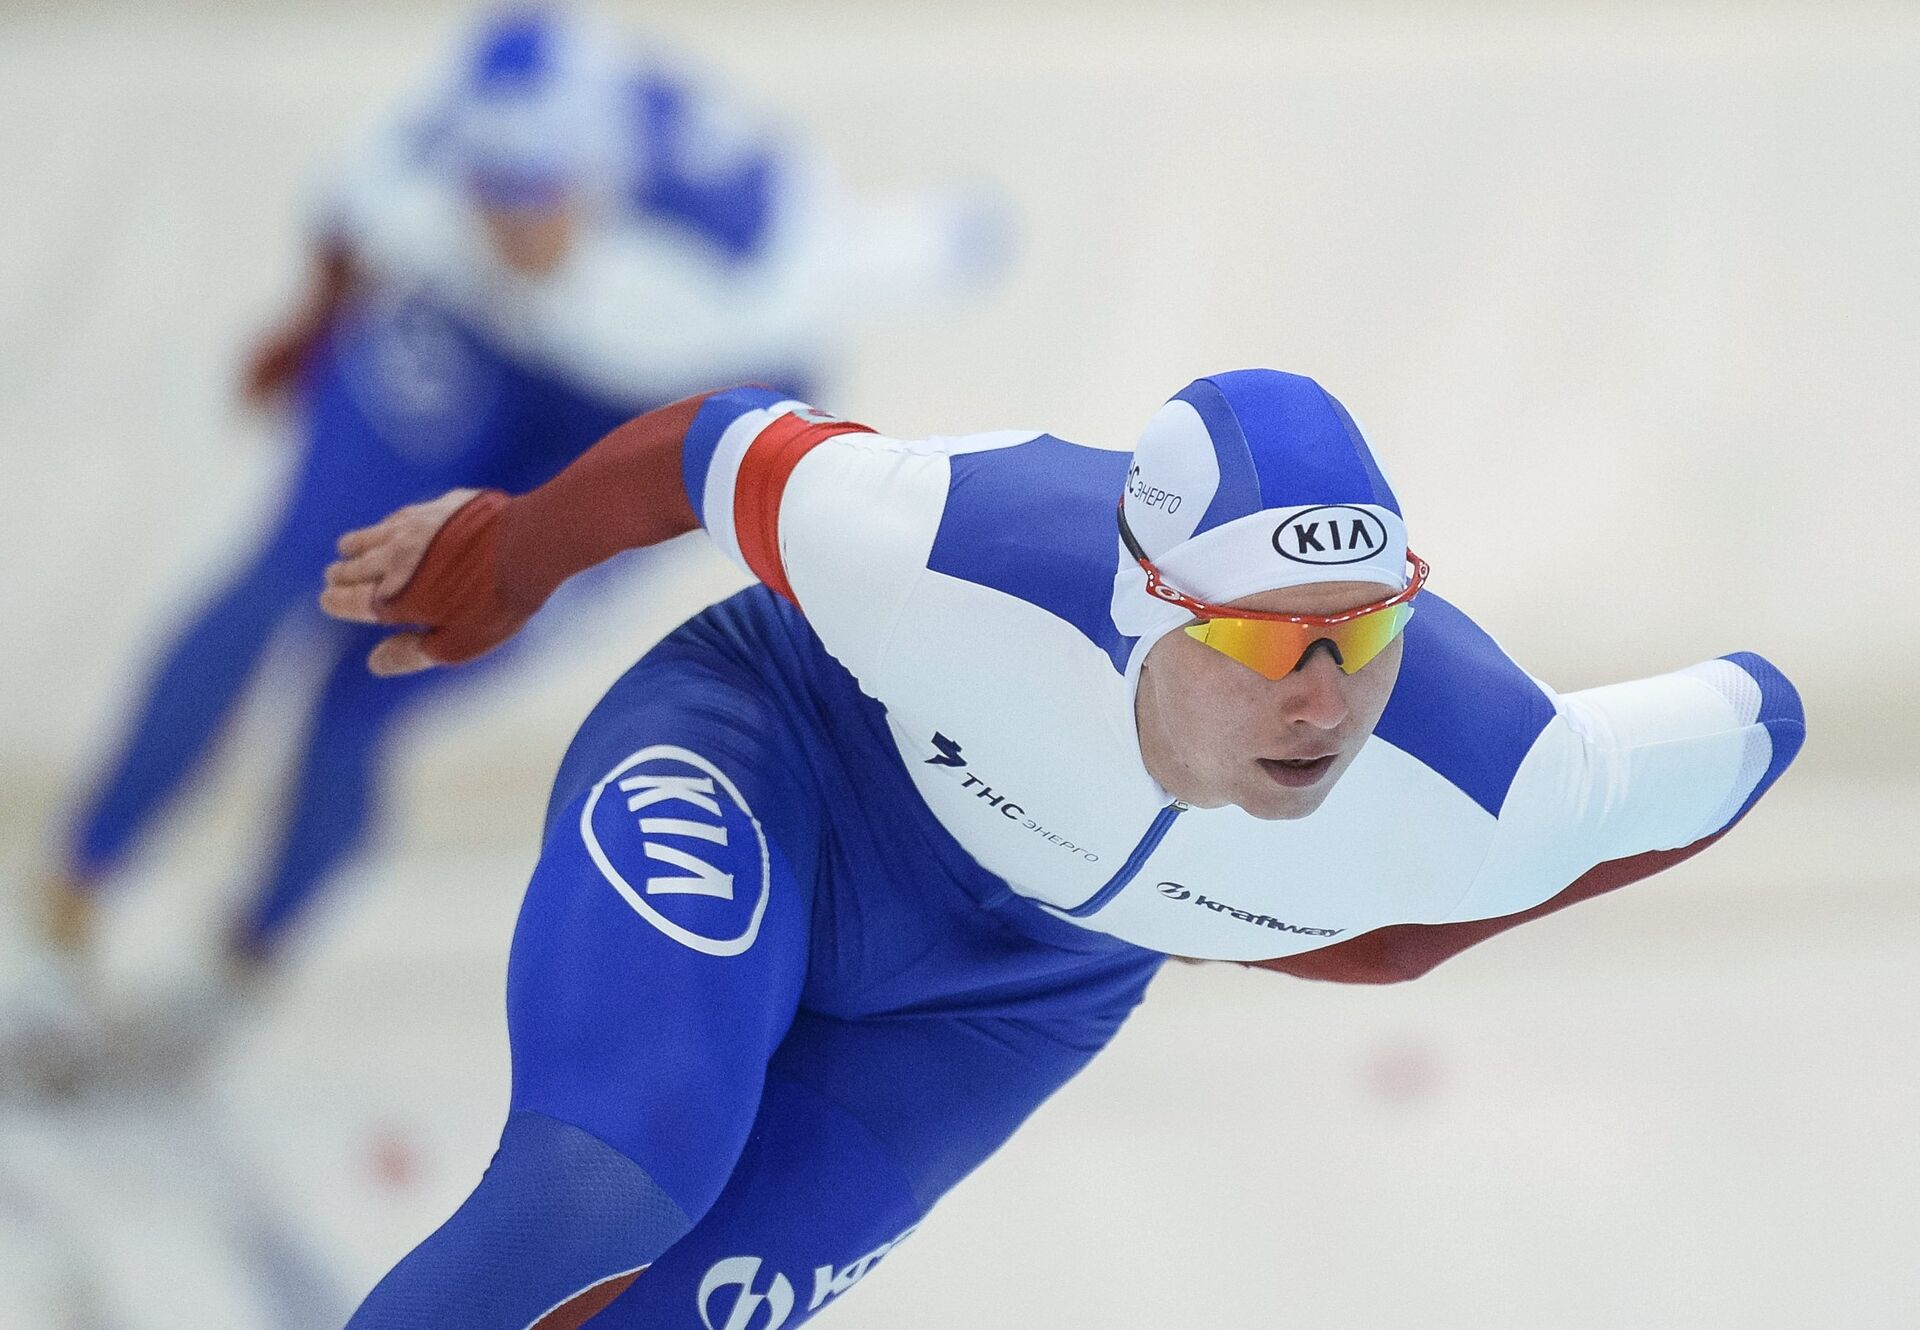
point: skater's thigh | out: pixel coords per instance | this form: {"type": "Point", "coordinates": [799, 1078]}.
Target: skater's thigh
{"type": "Point", "coordinates": [663, 942]}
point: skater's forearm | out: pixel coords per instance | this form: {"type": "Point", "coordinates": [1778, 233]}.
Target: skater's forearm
{"type": "Point", "coordinates": [470, 567]}
{"type": "Point", "coordinates": [623, 493]}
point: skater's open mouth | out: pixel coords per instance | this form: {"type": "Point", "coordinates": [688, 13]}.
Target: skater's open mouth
{"type": "Point", "coordinates": [1296, 772]}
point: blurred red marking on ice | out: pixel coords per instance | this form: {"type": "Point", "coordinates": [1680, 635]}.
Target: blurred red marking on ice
{"type": "Point", "coordinates": [393, 1157]}
{"type": "Point", "coordinates": [1404, 1070]}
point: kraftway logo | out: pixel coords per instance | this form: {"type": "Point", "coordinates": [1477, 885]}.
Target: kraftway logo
{"type": "Point", "coordinates": [1176, 891]}
{"type": "Point", "coordinates": [1336, 533]}
{"type": "Point", "coordinates": [741, 1276]}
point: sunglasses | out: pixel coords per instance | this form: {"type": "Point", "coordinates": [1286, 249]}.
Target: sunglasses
{"type": "Point", "coordinates": [1274, 645]}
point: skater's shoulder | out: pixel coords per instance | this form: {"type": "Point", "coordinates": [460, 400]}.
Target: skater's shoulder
{"type": "Point", "coordinates": [1034, 518]}
{"type": "Point", "coordinates": [1461, 705]}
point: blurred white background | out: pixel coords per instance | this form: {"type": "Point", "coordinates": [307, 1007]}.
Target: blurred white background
{"type": "Point", "coordinates": [1625, 296]}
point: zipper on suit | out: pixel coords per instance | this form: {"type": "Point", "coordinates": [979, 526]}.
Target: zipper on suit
{"type": "Point", "coordinates": [1156, 832]}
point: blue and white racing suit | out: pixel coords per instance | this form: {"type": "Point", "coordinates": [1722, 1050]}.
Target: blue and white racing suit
{"type": "Point", "coordinates": [854, 869]}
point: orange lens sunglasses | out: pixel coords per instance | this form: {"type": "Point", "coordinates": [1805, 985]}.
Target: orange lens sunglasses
{"type": "Point", "coordinates": [1273, 645]}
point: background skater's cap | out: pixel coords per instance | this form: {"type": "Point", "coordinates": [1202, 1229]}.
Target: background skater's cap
{"type": "Point", "coordinates": [535, 118]}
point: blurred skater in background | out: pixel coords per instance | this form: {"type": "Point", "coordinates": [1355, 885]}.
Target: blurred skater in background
{"type": "Point", "coordinates": [558, 234]}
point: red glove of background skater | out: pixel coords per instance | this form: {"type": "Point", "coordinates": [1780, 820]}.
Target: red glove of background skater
{"type": "Point", "coordinates": [283, 356]}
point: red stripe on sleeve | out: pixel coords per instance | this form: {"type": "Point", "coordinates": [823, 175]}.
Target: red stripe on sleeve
{"type": "Point", "coordinates": [762, 483]}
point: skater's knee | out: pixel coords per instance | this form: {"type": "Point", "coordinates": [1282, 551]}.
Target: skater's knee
{"type": "Point", "coordinates": [684, 1136]}
{"type": "Point", "coordinates": [559, 1216]}
{"type": "Point", "coordinates": [568, 1185]}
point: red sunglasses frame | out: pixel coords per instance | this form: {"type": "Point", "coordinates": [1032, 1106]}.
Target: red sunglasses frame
{"type": "Point", "coordinates": [1158, 588]}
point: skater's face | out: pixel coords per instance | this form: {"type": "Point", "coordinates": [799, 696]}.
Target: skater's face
{"type": "Point", "coordinates": [531, 239]}
{"type": "Point", "coordinates": [1214, 732]}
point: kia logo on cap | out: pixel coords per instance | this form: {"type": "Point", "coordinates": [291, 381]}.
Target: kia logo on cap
{"type": "Point", "coordinates": [1330, 533]}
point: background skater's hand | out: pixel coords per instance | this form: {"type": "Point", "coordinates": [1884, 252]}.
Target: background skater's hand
{"type": "Point", "coordinates": [280, 359]}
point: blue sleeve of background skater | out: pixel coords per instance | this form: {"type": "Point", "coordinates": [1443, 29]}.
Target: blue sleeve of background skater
{"type": "Point", "coordinates": [726, 199]}
{"type": "Point", "coordinates": [703, 437]}
{"type": "Point", "coordinates": [1780, 712]}
{"type": "Point", "coordinates": [1461, 705]}
{"type": "Point", "coordinates": [557, 1212]}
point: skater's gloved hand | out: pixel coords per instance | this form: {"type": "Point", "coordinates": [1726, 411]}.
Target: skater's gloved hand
{"type": "Point", "coordinates": [433, 565]}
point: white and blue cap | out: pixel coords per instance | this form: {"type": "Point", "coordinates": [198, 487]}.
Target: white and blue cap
{"type": "Point", "coordinates": [1252, 481]}
{"type": "Point", "coordinates": [534, 113]}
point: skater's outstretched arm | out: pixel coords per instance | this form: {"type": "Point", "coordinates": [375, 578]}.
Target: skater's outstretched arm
{"type": "Point", "coordinates": [471, 566]}
{"type": "Point", "coordinates": [1645, 775]}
